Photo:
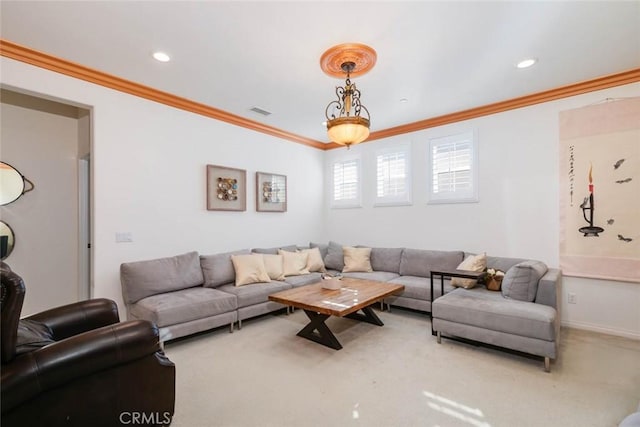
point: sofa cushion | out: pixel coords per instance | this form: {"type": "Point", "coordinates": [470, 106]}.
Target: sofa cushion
{"type": "Point", "coordinates": [314, 260]}
{"type": "Point", "coordinates": [420, 287]}
{"type": "Point", "coordinates": [183, 306]}
{"type": "Point", "coordinates": [141, 279]}
{"type": "Point", "coordinates": [274, 265]}
{"type": "Point", "coordinates": [295, 263]}
{"type": "Point", "coordinates": [521, 281]}
{"type": "Point", "coordinates": [304, 279]}
{"type": "Point", "coordinates": [379, 276]}
{"type": "Point", "coordinates": [477, 263]}
{"type": "Point", "coordinates": [255, 293]}
{"type": "Point", "coordinates": [490, 310]}
{"type": "Point", "coordinates": [386, 259]}
{"type": "Point", "coordinates": [218, 268]}
{"type": "Point", "coordinates": [419, 262]}
{"type": "Point", "coordinates": [335, 257]}
{"type": "Point", "coordinates": [249, 269]}
{"type": "Point", "coordinates": [356, 259]}
{"type": "Point", "coordinates": [274, 251]}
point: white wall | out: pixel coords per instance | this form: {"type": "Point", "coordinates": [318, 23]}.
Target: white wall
{"type": "Point", "coordinates": [518, 211]}
{"type": "Point", "coordinates": [40, 139]}
{"type": "Point", "coordinates": [148, 174]}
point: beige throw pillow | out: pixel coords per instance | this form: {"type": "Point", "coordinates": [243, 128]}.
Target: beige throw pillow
{"type": "Point", "coordinates": [314, 262]}
{"type": "Point", "coordinates": [295, 263]}
{"type": "Point", "coordinates": [249, 269]}
{"type": "Point", "coordinates": [471, 263]}
{"type": "Point", "coordinates": [357, 259]}
{"type": "Point", "coordinates": [274, 265]}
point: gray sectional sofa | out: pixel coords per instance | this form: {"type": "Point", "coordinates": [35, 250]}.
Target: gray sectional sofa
{"type": "Point", "coordinates": [190, 293]}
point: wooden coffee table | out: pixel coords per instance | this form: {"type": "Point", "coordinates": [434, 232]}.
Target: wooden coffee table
{"type": "Point", "coordinates": [319, 303]}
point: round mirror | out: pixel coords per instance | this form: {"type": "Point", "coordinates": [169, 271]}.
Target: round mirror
{"type": "Point", "coordinates": [7, 240]}
{"type": "Point", "coordinates": [12, 184]}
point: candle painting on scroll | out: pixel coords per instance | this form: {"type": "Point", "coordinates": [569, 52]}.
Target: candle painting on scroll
{"type": "Point", "coordinates": [600, 190]}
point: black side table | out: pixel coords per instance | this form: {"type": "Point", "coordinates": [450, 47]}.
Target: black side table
{"type": "Point", "coordinates": [450, 273]}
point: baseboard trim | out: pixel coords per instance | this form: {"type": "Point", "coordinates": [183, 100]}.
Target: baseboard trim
{"type": "Point", "coordinates": [634, 335]}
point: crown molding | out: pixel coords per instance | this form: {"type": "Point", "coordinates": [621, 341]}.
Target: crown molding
{"type": "Point", "coordinates": [619, 79]}
{"type": "Point", "coordinates": [52, 63]}
{"type": "Point", "coordinates": [62, 66]}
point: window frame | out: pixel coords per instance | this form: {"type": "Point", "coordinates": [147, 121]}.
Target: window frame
{"type": "Point", "coordinates": [394, 200]}
{"type": "Point", "coordinates": [468, 196]}
{"type": "Point", "coordinates": [348, 203]}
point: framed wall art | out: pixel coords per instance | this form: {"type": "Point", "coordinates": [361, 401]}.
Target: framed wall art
{"type": "Point", "coordinates": [271, 192]}
{"type": "Point", "coordinates": [599, 188]}
{"type": "Point", "coordinates": [226, 189]}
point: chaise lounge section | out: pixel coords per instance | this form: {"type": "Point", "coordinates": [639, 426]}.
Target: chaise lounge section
{"type": "Point", "coordinates": [526, 322]}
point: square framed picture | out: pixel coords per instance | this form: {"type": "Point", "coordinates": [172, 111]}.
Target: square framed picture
{"type": "Point", "coordinates": [271, 192]}
{"type": "Point", "coordinates": [226, 189]}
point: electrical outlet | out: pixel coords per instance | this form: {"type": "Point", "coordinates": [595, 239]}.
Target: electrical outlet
{"type": "Point", "coordinates": [572, 299]}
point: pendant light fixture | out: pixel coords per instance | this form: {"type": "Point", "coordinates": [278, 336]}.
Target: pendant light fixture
{"type": "Point", "coordinates": [347, 119]}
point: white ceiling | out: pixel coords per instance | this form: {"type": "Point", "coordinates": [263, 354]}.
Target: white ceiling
{"type": "Point", "coordinates": [234, 55]}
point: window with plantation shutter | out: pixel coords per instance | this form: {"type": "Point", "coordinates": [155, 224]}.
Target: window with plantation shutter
{"type": "Point", "coordinates": [393, 179]}
{"type": "Point", "coordinates": [346, 184]}
{"type": "Point", "coordinates": [453, 174]}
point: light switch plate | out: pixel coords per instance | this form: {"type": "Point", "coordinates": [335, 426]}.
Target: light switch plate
{"type": "Point", "coordinates": [125, 237]}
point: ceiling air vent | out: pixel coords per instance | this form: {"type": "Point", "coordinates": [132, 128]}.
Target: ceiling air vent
{"type": "Point", "coordinates": [260, 111]}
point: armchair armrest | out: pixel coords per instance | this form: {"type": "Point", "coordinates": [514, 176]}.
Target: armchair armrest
{"type": "Point", "coordinates": [79, 317]}
{"type": "Point", "coordinates": [75, 357]}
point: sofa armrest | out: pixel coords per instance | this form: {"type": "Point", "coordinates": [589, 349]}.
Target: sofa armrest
{"type": "Point", "coordinates": [79, 317]}
{"type": "Point", "coordinates": [79, 356]}
{"type": "Point", "coordinates": [549, 289]}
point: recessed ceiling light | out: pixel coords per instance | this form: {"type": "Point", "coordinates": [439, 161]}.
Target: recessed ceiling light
{"type": "Point", "coordinates": [404, 100]}
{"type": "Point", "coordinates": [161, 56]}
{"type": "Point", "coordinates": [526, 63]}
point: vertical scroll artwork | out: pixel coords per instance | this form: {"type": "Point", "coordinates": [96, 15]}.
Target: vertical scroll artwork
{"type": "Point", "coordinates": [600, 191]}
{"type": "Point", "coordinates": [226, 189]}
{"type": "Point", "coordinates": [271, 192]}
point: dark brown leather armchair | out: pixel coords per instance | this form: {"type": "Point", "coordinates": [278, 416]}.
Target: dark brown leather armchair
{"type": "Point", "coordinates": [77, 365]}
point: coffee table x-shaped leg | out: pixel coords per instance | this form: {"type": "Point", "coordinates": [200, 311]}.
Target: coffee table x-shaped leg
{"type": "Point", "coordinates": [318, 331]}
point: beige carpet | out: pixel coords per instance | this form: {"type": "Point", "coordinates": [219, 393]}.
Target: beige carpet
{"type": "Point", "coordinates": [396, 375]}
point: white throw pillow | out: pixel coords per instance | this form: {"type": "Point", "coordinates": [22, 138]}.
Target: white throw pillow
{"type": "Point", "coordinates": [274, 265]}
{"type": "Point", "coordinates": [295, 263]}
{"type": "Point", "coordinates": [314, 261]}
{"type": "Point", "coordinates": [476, 263]}
{"type": "Point", "coordinates": [357, 259]}
{"type": "Point", "coordinates": [249, 269]}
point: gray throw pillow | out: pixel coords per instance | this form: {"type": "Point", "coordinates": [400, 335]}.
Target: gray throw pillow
{"type": "Point", "coordinates": [521, 281]}
{"type": "Point", "coordinates": [324, 248]}
{"type": "Point", "coordinates": [335, 257]}
{"type": "Point", "coordinates": [32, 335]}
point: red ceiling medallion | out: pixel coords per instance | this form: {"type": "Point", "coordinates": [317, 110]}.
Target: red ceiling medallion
{"type": "Point", "coordinates": [361, 55]}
